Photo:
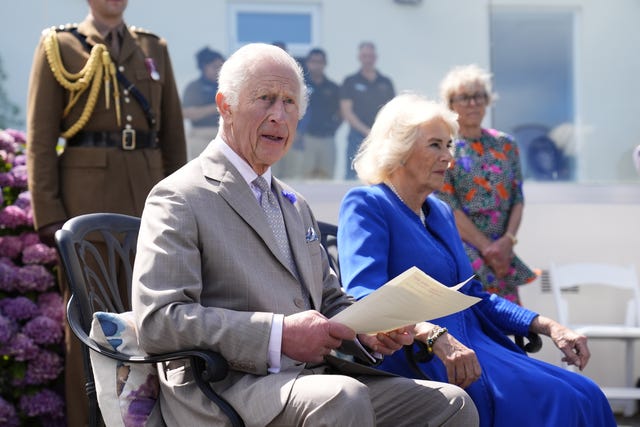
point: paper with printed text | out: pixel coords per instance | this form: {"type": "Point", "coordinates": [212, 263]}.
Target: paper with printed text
{"type": "Point", "coordinates": [409, 298]}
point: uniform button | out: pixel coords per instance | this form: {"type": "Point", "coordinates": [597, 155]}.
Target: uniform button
{"type": "Point", "coordinates": [299, 302]}
{"type": "Point", "coordinates": [121, 68]}
{"type": "Point", "coordinates": [126, 99]}
{"type": "Point", "coordinates": [128, 126]}
{"type": "Point", "coordinates": [125, 92]}
{"type": "Point", "coordinates": [129, 118]}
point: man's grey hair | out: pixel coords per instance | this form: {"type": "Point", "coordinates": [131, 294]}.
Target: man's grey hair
{"type": "Point", "coordinates": [239, 68]}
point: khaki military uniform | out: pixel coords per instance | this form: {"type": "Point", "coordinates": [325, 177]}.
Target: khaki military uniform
{"type": "Point", "coordinates": [101, 179]}
{"type": "Point", "coordinates": [86, 178]}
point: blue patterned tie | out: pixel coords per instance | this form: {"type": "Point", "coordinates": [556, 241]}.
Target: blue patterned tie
{"type": "Point", "coordinates": [271, 208]}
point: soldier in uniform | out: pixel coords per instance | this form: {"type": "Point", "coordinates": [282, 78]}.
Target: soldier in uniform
{"type": "Point", "coordinates": [109, 91]}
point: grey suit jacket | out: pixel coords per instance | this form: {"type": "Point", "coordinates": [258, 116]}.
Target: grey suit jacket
{"type": "Point", "coordinates": [209, 274]}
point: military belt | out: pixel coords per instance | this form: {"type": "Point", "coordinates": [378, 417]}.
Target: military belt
{"type": "Point", "coordinates": [127, 139]}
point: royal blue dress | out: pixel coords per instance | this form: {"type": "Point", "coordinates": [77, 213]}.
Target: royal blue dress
{"type": "Point", "coordinates": [380, 237]}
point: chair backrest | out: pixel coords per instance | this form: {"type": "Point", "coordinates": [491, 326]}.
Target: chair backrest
{"type": "Point", "coordinates": [582, 275]}
{"type": "Point", "coordinates": [329, 240]}
{"type": "Point", "coordinates": [97, 253]}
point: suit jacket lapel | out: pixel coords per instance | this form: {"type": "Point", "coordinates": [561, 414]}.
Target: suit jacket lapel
{"type": "Point", "coordinates": [234, 189]}
{"type": "Point", "coordinates": [296, 234]}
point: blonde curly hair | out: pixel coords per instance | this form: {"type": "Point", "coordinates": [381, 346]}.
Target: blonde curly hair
{"type": "Point", "coordinates": [465, 76]}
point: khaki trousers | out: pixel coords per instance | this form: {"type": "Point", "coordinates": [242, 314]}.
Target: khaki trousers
{"type": "Point", "coordinates": [368, 401]}
{"type": "Point", "coordinates": [319, 157]}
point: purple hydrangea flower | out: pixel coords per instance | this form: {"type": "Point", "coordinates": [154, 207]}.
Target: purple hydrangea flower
{"type": "Point", "coordinates": [8, 416]}
{"type": "Point", "coordinates": [26, 267]}
{"type": "Point", "coordinates": [18, 308]}
{"type": "Point", "coordinates": [39, 254]}
{"type": "Point", "coordinates": [7, 142]}
{"type": "Point", "coordinates": [290, 196]}
{"type": "Point", "coordinates": [10, 246]}
{"type": "Point", "coordinates": [6, 179]}
{"type": "Point", "coordinates": [17, 135]}
{"type": "Point", "coordinates": [45, 366]}
{"type": "Point", "coordinates": [20, 160]}
{"type": "Point", "coordinates": [43, 330]}
{"type": "Point", "coordinates": [8, 275]}
{"type": "Point", "coordinates": [50, 304]}
{"type": "Point", "coordinates": [24, 200]}
{"type": "Point", "coordinates": [7, 329]}
{"type": "Point", "coordinates": [19, 175]}
{"type": "Point", "coordinates": [34, 278]}
{"type": "Point", "coordinates": [44, 402]}
{"type": "Point", "coordinates": [13, 217]}
{"type": "Point", "coordinates": [29, 212]}
{"type": "Point", "coordinates": [29, 238]}
{"type": "Point", "coordinates": [21, 347]}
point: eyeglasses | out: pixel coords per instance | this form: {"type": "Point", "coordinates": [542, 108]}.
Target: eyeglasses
{"type": "Point", "coordinates": [480, 98]}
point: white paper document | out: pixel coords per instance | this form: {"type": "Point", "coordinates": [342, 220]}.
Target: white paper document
{"type": "Point", "coordinates": [409, 298]}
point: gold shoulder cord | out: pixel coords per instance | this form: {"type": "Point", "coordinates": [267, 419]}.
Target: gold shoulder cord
{"type": "Point", "coordinates": [98, 67]}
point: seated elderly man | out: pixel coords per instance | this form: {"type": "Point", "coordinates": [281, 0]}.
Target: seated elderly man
{"type": "Point", "coordinates": [228, 259]}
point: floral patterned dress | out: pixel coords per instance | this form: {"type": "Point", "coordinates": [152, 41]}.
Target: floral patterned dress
{"type": "Point", "coordinates": [485, 182]}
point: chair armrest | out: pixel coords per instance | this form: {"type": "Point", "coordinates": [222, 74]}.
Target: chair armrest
{"type": "Point", "coordinates": [418, 352]}
{"type": "Point", "coordinates": [533, 346]}
{"type": "Point", "coordinates": [207, 366]}
{"type": "Point", "coordinates": [415, 353]}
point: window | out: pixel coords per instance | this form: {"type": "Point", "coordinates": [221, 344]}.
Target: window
{"type": "Point", "coordinates": [295, 25]}
{"type": "Point", "coordinates": [532, 62]}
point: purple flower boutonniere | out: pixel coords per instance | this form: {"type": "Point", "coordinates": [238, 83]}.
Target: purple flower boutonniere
{"type": "Point", "coordinates": [290, 196]}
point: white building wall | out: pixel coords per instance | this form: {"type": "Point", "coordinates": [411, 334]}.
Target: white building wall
{"type": "Point", "coordinates": [416, 46]}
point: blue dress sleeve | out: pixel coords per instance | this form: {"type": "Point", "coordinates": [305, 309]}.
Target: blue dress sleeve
{"type": "Point", "coordinates": [363, 240]}
{"type": "Point", "coordinates": [508, 317]}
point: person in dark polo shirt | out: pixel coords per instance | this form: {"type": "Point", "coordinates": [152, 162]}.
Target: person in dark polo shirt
{"type": "Point", "coordinates": [199, 102]}
{"type": "Point", "coordinates": [361, 96]}
{"type": "Point", "coordinates": [323, 118]}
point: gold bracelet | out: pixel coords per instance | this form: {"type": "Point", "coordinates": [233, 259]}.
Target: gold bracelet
{"type": "Point", "coordinates": [511, 237]}
{"type": "Point", "coordinates": [432, 339]}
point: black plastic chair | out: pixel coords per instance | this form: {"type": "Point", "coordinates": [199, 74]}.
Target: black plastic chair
{"type": "Point", "coordinates": [97, 253]}
{"type": "Point", "coordinates": [418, 352]}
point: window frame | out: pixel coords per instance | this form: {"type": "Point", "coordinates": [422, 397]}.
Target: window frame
{"type": "Point", "coordinates": [295, 49]}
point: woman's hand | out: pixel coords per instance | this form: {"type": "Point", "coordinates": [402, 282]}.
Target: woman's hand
{"type": "Point", "coordinates": [461, 362]}
{"type": "Point", "coordinates": [498, 256]}
{"type": "Point", "coordinates": [573, 345]}
{"type": "Point", "coordinates": [389, 342]}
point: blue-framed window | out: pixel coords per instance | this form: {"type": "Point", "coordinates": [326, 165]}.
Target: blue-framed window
{"type": "Point", "coordinates": [295, 25]}
{"type": "Point", "coordinates": [532, 59]}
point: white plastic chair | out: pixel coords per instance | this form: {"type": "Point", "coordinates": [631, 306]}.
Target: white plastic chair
{"type": "Point", "coordinates": [614, 280]}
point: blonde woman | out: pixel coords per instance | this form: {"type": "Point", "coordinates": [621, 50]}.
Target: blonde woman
{"type": "Point", "coordinates": [396, 222]}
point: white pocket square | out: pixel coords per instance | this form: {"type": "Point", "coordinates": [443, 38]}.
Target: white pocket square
{"type": "Point", "coordinates": [311, 235]}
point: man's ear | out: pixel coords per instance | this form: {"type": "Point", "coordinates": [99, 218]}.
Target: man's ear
{"type": "Point", "coordinates": [223, 107]}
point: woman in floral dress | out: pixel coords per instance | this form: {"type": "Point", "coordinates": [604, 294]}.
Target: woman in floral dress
{"type": "Point", "coordinates": [484, 185]}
